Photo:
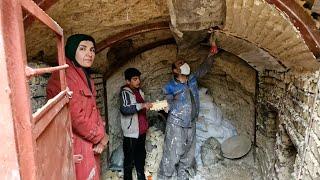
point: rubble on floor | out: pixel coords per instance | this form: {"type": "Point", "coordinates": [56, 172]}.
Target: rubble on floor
{"type": "Point", "coordinates": [154, 148]}
{"type": "Point", "coordinates": [154, 145]}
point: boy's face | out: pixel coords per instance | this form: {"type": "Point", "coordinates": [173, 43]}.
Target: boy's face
{"type": "Point", "coordinates": [134, 83]}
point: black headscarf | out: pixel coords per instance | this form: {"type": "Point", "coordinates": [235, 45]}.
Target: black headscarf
{"type": "Point", "coordinates": [71, 48]}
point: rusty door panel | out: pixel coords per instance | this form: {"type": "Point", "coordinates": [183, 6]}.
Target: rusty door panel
{"type": "Point", "coordinates": [18, 109]}
{"type": "Point", "coordinates": [9, 166]}
{"type": "Point", "coordinates": [43, 117]}
{"type": "Point", "coordinates": [54, 157]}
{"type": "Point", "coordinates": [51, 123]}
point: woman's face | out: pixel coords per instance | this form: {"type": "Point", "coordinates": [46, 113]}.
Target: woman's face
{"type": "Point", "coordinates": [85, 53]}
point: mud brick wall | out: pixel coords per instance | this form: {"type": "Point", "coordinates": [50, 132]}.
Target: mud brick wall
{"type": "Point", "coordinates": [286, 103]}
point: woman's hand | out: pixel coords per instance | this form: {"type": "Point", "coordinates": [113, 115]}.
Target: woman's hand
{"type": "Point", "coordinates": [104, 141]}
{"type": "Point", "coordinates": [98, 148]}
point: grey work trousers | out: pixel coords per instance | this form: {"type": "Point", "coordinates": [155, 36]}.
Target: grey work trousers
{"type": "Point", "coordinates": [178, 152]}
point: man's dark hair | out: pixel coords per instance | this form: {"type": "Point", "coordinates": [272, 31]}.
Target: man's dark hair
{"type": "Point", "coordinates": [173, 66]}
{"type": "Point", "coordinates": [131, 72]}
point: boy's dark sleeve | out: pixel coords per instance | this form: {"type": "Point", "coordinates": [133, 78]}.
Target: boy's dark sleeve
{"type": "Point", "coordinates": [126, 106]}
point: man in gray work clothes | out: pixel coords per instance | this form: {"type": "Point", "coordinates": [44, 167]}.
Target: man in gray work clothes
{"type": "Point", "coordinates": [182, 95]}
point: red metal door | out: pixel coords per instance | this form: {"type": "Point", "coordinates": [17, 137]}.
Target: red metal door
{"type": "Point", "coordinates": [39, 145]}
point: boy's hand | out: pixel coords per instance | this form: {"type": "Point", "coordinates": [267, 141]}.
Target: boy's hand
{"type": "Point", "coordinates": [147, 105]}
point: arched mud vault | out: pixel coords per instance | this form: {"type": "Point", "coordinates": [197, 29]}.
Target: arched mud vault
{"type": "Point", "coordinates": [43, 4]}
{"type": "Point", "coordinates": [302, 21]}
{"type": "Point", "coordinates": [131, 32]}
{"type": "Point", "coordinates": [267, 26]}
{"type": "Point", "coordinates": [264, 25]}
{"type": "Point", "coordinates": [287, 34]}
{"type": "Point", "coordinates": [256, 57]}
{"type": "Point", "coordinates": [100, 19]}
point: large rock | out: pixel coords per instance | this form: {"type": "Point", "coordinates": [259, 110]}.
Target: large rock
{"type": "Point", "coordinates": [191, 15]}
{"type": "Point", "coordinates": [211, 152]}
{"type": "Point", "coordinates": [236, 147]}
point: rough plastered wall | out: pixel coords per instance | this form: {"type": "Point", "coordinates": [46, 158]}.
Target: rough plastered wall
{"type": "Point", "coordinates": [286, 103]}
{"type": "Point", "coordinates": [231, 82]}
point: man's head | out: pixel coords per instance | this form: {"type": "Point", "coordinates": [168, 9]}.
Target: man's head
{"type": "Point", "coordinates": [132, 77]}
{"type": "Point", "coordinates": [180, 67]}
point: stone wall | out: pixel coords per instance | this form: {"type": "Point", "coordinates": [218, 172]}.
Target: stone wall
{"type": "Point", "coordinates": [286, 103]}
{"type": "Point", "coordinates": [38, 86]}
{"type": "Point", "coordinates": [98, 82]}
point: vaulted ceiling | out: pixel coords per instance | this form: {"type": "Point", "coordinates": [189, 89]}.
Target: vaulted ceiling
{"type": "Point", "coordinates": [269, 34]}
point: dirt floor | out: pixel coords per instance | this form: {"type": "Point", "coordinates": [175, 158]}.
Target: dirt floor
{"type": "Point", "coordinates": [240, 169]}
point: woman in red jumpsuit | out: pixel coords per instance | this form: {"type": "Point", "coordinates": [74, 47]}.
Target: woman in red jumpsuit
{"type": "Point", "coordinates": [89, 136]}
